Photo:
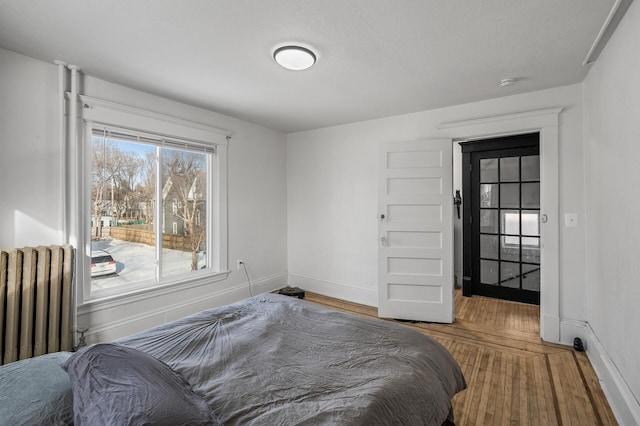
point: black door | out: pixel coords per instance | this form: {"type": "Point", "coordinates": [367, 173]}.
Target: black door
{"type": "Point", "coordinates": [501, 231]}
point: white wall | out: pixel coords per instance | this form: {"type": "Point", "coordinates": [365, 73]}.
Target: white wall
{"type": "Point", "coordinates": [332, 196]}
{"type": "Point", "coordinates": [30, 158]}
{"type": "Point", "coordinates": [612, 135]}
{"type": "Point", "coordinates": [30, 192]}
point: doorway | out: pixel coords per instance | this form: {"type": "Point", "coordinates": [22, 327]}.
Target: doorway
{"type": "Point", "coordinates": [546, 122]}
{"type": "Point", "coordinates": [501, 218]}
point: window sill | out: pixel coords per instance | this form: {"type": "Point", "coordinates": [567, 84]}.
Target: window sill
{"type": "Point", "coordinates": [173, 286]}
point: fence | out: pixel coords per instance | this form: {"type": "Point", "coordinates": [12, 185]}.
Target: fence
{"type": "Point", "coordinates": [141, 234]}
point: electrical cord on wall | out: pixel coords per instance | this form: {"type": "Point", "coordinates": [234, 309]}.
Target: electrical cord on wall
{"type": "Point", "coordinates": [248, 279]}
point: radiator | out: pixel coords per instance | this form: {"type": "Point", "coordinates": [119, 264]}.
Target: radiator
{"type": "Point", "coordinates": [35, 301]}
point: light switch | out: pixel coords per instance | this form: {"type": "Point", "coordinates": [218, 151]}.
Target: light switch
{"type": "Point", "coordinates": [571, 220]}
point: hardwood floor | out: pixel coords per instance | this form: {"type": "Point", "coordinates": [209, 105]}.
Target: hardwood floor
{"type": "Point", "coordinates": [513, 377]}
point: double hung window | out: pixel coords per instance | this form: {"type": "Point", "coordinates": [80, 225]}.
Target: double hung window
{"type": "Point", "coordinates": [154, 203]}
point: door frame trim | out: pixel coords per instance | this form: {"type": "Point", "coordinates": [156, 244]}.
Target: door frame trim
{"type": "Point", "coordinates": [546, 122]}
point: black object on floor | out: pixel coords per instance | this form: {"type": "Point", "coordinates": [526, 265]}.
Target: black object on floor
{"type": "Point", "coordinates": [292, 291]}
{"type": "Point", "coordinates": [577, 344]}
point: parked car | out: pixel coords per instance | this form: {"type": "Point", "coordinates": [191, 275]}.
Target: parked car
{"type": "Point", "coordinates": [102, 263]}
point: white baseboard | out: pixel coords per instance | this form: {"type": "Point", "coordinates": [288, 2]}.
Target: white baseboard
{"type": "Point", "coordinates": [343, 291]}
{"type": "Point", "coordinates": [570, 329]}
{"type": "Point", "coordinates": [623, 404]}
{"type": "Point", "coordinates": [149, 318]}
{"type": "Point", "coordinates": [269, 284]}
{"type": "Point", "coordinates": [550, 328]}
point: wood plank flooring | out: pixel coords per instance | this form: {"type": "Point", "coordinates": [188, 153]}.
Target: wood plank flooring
{"type": "Point", "coordinates": [513, 377]}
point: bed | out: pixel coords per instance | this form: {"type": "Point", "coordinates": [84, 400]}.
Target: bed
{"type": "Point", "coordinates": [278, 360]}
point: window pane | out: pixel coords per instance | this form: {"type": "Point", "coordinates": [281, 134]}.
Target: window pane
{"type": "Point", "coordinates": [122, 212]}
{"type": "Point", "coordinates": [489, 221]}
{"type": "Point", "coordinates": [510, 223]}
{"type": "Point", "coordinates": [489, 272]}
{"type": "Point", "coordinates": [510, 248]}
{"type": "Point", "coordinates": [531, 195]}
{"type": "Point", "coordinates": [510, 195]}
{"type": "Point", "coordinates": [531, 277]}
{"type": "Point", "coordinates": [184, 200]}
{"type": "Point", "coordinates": [510, 169]}
{"type": "Point", "coordinates": [489, 246]}
{"type": "Point", "coordinates": [530, 222]}
{"type": "Point", "coordinates": [510, 274]}
{"type": "Point", "coordinates": [531, 167]}
{"type": "Point", "coordinates": [489, 170]}
{"type": "Point", "coordinates": [488, 195]}
{"type": "Point", "coordinates": [531, 249]}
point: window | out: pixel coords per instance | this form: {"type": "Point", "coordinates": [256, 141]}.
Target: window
{"type": "Point", "coordinates": [153, 202]}
{"type": "Point", "coordinates": [530, 226]}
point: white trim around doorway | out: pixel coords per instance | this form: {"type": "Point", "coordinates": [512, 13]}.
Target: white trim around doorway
{"type": "Point", "coordinates": [546, 123]}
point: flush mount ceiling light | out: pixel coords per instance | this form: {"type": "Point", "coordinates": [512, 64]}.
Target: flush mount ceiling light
{"type": "Point", "coordinates": [296, 58]}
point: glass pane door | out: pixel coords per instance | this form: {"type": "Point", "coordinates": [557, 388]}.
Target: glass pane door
{"type": "Point", "coordinates": [505, 222]}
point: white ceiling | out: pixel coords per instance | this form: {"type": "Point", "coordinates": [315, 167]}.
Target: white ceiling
{"type": "Point", "coordinates": [376, 58]}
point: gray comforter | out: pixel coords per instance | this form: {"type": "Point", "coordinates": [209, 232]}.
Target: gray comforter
{"type": "Point", "coordinates": [277, 360]}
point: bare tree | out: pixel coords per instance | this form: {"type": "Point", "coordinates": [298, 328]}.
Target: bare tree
{"type": "Point", "coordinates": [148, 184]}
{"type": "Point", "coordinates": [107, 162]}
{"type": "Point", "coordinates": [185, 173]}
{"type": "Point", "coordinates": [126, 182]}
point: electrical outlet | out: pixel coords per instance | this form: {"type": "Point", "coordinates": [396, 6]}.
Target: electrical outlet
{"type": "Point", "coordinates": [239, 263]}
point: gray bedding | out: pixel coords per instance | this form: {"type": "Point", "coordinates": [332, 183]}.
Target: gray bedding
{"type": "Point", "coordinates": [277, 360]}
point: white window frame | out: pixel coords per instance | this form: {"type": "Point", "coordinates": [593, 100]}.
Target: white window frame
{"type": "Point", "coordinates": [96, 113]}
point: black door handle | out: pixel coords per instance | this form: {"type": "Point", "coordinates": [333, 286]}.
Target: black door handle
{"type": "Point", "coordinates": [457, 200]}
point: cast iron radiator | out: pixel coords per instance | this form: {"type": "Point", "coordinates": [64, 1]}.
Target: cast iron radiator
{"type": "Point", "coordinates": [35, 301]}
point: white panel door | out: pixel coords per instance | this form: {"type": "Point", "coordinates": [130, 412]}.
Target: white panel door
{"type": "Point", "coordinates": [415, 216]}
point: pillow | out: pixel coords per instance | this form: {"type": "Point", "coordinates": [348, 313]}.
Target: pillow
{"type": "Point", "coordinates": [36, 391]}
{"type": "Point", "coordinates": [117, 385]}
